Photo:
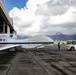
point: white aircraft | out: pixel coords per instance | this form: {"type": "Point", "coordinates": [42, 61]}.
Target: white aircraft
{"type": "Point", "coordinates": [5, 42]}
{"type": "Point", "coordinates": [10, 41]}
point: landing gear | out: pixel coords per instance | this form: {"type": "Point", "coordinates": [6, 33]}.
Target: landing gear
{"type": "Point", "coordinates": [12, 49]}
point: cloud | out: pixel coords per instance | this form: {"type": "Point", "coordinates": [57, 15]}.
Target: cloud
{"type": "Point", "coordinates": [45, 17]}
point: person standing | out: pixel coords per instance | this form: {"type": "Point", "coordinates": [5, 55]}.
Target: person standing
{"type": "Point", "coordinates": [59, 46]}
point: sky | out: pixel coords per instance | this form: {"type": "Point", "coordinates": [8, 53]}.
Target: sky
{"type": "Point", "coordinates": [10, 4]}
{"type": "Point", "coordinates": [42, 17]}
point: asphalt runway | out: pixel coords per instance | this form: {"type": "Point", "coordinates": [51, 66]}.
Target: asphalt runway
{"type": "Point", "coordinates": [42, 62]}
{"type": "Point", "coordinates": [6, 59]}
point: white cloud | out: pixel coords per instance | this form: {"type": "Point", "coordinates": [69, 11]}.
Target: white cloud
{"type": "Point", "coordinates": [44, 17]}
{"type": "Point", "coordinates": [65, 18]}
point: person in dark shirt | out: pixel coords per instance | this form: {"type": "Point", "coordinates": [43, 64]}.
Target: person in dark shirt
{"type": "Point", "coordinates": [59, 46]}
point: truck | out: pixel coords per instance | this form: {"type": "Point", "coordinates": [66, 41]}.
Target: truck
{"type": "Point", "coordinates": [71, 45]}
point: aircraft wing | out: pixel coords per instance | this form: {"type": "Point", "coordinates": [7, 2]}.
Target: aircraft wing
{"type": "Point", "coordinates": [9, 46]}
{"type": "Point", "coordinates": [40, 46]}
{"type": "Point", "coordinates": [28, 46]}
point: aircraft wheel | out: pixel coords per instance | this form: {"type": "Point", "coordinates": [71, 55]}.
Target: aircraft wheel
{"type": "Point", "coordinates": [12, 49]}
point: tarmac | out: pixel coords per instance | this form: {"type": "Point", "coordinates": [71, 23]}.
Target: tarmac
{"type": "Point", "coordinates": [41, 62]}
